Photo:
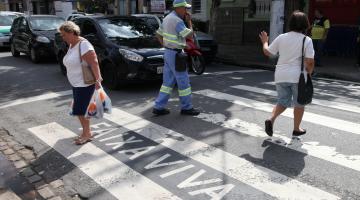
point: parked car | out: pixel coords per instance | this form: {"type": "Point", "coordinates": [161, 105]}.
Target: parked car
{"type": "Point", "coordinates": [34, 35]}
{"type": "Point", "coordinates": [126, 47]}
{"type": "Point", "coordinates": [6, 19]}
{"type": "Point", "coordinates": [80, 14]}
{"type": "Point", "coordinates": [208, 45]}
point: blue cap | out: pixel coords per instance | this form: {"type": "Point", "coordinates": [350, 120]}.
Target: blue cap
{"type": "Point", "coordinates": [181, 3]}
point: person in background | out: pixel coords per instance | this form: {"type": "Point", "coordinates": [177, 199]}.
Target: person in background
{"type": "Point", "coordinates": [319, 33]}
{"type": "Point", "coordinates": [82, 93]}
{"type": "Point", "coordinates": [288, 68]}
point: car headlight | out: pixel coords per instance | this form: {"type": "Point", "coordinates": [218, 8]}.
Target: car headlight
{"type": "Point", "coordinates": [42, 39]}
{"type": "Point", "coordinates": [131, 55]}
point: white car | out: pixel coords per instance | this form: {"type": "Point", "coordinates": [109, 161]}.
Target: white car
{"type": "Point", "coordinates": [6, 20]}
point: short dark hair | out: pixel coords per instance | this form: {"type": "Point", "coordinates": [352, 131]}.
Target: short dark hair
{"type": "Point", "coordinates": [299, 22]}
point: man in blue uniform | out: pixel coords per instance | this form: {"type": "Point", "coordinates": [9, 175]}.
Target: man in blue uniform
{"type": "Point", "coordinates": [172, 34]}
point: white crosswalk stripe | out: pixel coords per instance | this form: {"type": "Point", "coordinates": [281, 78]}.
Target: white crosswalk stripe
{"type": "Point", "coordinates": [139, 186]}
{"type": "Point", "coordinates": [330, 104]}
{"type": "Point", "coordinates": [263, 179]}
{"type": "Point", "coordinates": [326, 121]}
{"type": "Point", "coordinates": [311, 148]}
{"type": "Point", "coordinates": [100, 166]}
{"type": "Point", "coordinates": [328, 93]}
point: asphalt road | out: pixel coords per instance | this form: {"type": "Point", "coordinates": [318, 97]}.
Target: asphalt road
{"type": "Point", "coordinates": [221, 154]}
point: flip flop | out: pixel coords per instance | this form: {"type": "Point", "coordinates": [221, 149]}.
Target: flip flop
{"type": "Point", "coordinates": [81, 141]}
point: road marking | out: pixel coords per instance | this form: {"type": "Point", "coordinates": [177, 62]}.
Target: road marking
{"type": "Point", "coordinates": [263, 179]}
{"type": "Point", "coordinates": [111, 174]}
{"type": "Point", "coordinates": [228, 72]}
{"type": "Point", "coordinates": [331, 104]}
{"type": "Point", "coordinates": [311, 148]}
{"type": "Point", "coordinates": [331, 122]}
{"type": "Point", "coordinates": [50, 95]}
{"type": "Point", "coordinates": [323, 92]}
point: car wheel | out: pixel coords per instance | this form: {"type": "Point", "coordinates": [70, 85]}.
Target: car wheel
{"type": "Point", "coordinates": [61, 64]}
{"type": "Point", "coordinates": [14, 52]}
{"type": "Point", "coordinates": [111, 76]}
{"type": "Point", "coordinates": [33, 56]}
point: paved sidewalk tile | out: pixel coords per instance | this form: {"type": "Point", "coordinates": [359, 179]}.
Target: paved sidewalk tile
{"type": "Point", "coordinates": [20, 164]}
{"type": "Point", "coordinates": [57, 183]}
{"type": "Point", "coordinates": [46, 193]}
{"type": "Point", "coordinates": [14, 157]}
{"type": "Point", "coordinates": [35, 178]}
{"type": "Point", "coordinates": [9, 152]}
{"type": "Point", "coordinates": [55, 198]}
{"type": "Point", "coordinates": [27, 172]}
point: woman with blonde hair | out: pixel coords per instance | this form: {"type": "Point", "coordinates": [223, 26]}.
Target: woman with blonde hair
{"type": "Point", "coordinates": [80, 50]}
{"type": "Point", "coordinates": [289, 46]}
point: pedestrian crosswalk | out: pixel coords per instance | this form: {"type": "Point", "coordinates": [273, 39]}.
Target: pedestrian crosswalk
{"type": "Point", "coordinates": [142, 158]}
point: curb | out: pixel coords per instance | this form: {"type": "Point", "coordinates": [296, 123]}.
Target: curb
{"type": "Point", "coordinates": [24, 160]}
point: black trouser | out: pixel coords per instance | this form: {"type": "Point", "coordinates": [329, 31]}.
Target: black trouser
{"type": "Point", "coordinates": [318, 47]}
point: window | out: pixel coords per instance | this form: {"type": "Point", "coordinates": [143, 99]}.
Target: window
{"type": "Point", "coordinates": [196, 6]}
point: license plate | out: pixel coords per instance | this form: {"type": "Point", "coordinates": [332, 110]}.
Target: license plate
{"type": "Point", "coordinates": [159, 70]}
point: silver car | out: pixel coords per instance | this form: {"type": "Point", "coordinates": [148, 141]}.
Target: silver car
{"type": "Point", "coordinates": [6, 19]}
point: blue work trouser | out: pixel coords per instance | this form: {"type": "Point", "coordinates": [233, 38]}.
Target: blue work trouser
{"type": "Point", "coordinates": [170, 77]}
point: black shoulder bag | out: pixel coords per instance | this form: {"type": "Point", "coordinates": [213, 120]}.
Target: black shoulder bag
{"type": "Point", "coordinates": [305, 89]}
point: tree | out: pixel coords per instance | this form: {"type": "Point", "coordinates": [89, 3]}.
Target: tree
{"type": "Point", "coordinates": [97, 6]}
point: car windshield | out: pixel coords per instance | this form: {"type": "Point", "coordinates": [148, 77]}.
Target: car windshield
{"type": "Point", "coordinates": [7, 20]}
{"type": "Point", "coordinates": [151, 21]}
{"type": "Point", "coordinates": [126, 28]}
{"type": "Point", "coordinates": [45, 24]}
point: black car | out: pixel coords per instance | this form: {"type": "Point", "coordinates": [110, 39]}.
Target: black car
{"type": "Point", "coordinates": [34, 35]}
{"type": "Point", "coordinates": [126, 47]}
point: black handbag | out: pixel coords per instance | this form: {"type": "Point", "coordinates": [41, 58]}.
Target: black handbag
{"type": "Point", "coordinates": [181, 61]}
{"type": "Point", "coordinates": [305, 89]}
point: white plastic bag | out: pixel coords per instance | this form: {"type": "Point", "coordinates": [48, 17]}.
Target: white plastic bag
{"type": "Point", "coordinates": [100, 103]}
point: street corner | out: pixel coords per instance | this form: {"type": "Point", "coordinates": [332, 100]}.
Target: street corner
{"type": "Point", "coordinates": [22, 174]}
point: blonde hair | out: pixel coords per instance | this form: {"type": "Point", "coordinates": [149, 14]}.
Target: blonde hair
{"type": "Point", "coordinates": [70, 27]}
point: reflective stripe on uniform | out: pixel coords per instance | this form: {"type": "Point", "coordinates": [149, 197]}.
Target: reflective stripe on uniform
{"type": "Point", "coordinates": [165, 89]}
{"type": "Point", "coordinates": [185, 32]}
{"type": "Point", "coordinates": [175, 42]}
{"type": "Point", "coordinates": [160, 32]}
{"type": "Point", "coordinates": [185, 92]}
{"type": "Point", "coordinates": [170, 35]}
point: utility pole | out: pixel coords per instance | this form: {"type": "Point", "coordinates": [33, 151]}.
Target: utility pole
{"type": "Point", "coordinates": [116, 7]}
{"type": "Point", "coordinates": [28, 3]}
{"type": "Point", "coordinates": [128, 7]}
{"type": "Point", "coordinates": [277, 18]}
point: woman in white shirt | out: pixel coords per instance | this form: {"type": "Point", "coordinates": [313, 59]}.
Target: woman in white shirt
{"type": "Point", "coordinates": [82, 93]}
{"type": "Point", "coordinates": [288, 68]}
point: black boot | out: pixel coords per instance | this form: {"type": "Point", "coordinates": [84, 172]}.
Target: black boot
{"type": "Point", "coordinates": [163, 111]}
{"type": "Point", "coordinates": [268, 128]}
{"type": "Point", "coordinates": [191, 111]}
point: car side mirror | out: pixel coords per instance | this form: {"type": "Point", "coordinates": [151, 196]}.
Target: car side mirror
{"type": "Point", "coordinates": [92, 38]}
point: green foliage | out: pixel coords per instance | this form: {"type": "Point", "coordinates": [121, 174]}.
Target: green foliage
{"type": "Point", "coordinates": [96, 6]}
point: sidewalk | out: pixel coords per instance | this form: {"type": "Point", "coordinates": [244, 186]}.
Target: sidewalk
{"type": "Point", "coordinates": [252, 56]}
{"type": "Point", "coordinates": [20, 177]}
